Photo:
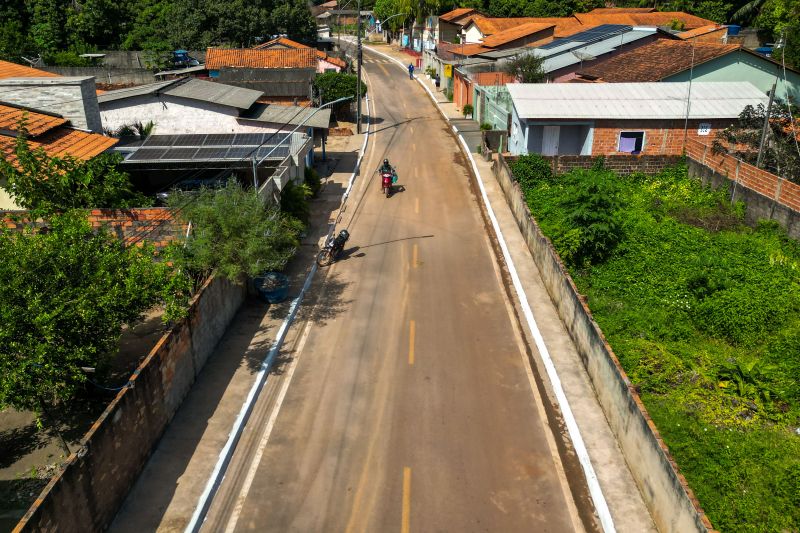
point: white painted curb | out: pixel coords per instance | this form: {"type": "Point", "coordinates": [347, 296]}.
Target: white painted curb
{"type": "Point", "coordinates": [224, 458]}
{"type": "Point", "coordinates": [600, 504]}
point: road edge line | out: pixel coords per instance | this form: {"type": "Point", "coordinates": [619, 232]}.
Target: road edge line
{"type": "Point", "coordinates": [226, 454]}
{"type": "Point", "coordinates": [598, 498]}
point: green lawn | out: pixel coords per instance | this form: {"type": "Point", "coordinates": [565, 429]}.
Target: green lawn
{"type": "Point", "coordinates": [703, 313]}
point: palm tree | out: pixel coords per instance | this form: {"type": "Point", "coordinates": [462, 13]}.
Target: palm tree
{"type": "Point", "coordinates": [749, 11]}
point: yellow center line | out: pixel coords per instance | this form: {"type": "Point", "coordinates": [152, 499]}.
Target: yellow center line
{"type": "Point", "coordinates": [416, 205]}
{"type": "Point", "coordinates": [412, 333]}
{"type": "Point", "coordinates": [406, 522]}
{"type": "Point", "coordinates": [413, 147]}
{"type": "Point", "coordinates": [414, 256]}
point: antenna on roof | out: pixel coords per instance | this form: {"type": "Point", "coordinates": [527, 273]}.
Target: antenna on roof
{"type": "Point", "coordinates": [34, 62]}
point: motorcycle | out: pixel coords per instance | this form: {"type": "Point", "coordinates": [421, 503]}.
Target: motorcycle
{"type": "Point", "coordinates": [386, 183]}
{"type": "Point", "coordinates": [330, 252]}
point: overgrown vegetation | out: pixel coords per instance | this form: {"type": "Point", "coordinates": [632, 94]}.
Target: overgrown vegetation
{"type": "Point", "coordinates": [702, 312]}
{"type": "Point", "coordinates": [46, 184]}
{"type": "Point", "coordinates": [331, 86]}
{"type": "Point", "coordinates": [233, 233]}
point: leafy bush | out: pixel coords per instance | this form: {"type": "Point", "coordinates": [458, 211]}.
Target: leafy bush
{"type": "Point", "coordinates": [331, 86]}
{"type": "Point", "coordinates": [468, 110]}
{"type": "Point", "coordinates": [592, 209]}
{"type": "Point", "coordinates": [312, 180]}
{"type": "Point", "coordinates": [233, 233]}
{"type": "Point", "coordinates": [294, 201]}
{"type": "Point", "coordinates": [529, 169]}
{"type": "Point", "coordinates": [485, 126]}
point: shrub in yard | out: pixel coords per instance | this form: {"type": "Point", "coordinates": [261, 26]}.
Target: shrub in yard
{"type": "Point", "coordinates": [312, 180]}
{"type": "Point", "coordinates": [468, 110]}
{"type": "Point", "coordinates": [294, 201]}
{"type": "Point", "coordinates": [528, 169]}
{"type": "Point", "coordinates": [592, 209]}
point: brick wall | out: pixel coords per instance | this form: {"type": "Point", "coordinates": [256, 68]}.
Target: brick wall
{"type": "Point", "coordinates": [767, 196]}
{"type": "Point", "coordinates": [662, 137]}
{"type": "Point", "coordinates": [622, 164]}
{"type": "Point", "coordinates": [154, 225]}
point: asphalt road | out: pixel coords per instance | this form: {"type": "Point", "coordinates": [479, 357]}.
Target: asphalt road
{"type": "Point", "coordinates": [411, 406]}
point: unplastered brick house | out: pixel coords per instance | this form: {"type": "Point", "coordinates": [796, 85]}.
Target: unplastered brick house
{"type": "Point", "coordinates": [622, 118]}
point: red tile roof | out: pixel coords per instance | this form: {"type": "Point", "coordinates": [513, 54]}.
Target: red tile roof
{"type": "Point", "coordinates": [655, 61]}
{"type": "Point", "coordinates": [217, 58]}
{"type": "Point", "coordinates": [468, 50]}
{"type": "Point", "coordinates": [12, 70]}
{"type": "Point", "coordinates": [281, 43]}
{"type": "Point", "coordinates": [517, 32]}
{"type": "Point", "coordinates": [35, 122]}
{"type": "Point", "coordinates": [457, 13]}
{"type": "Point", "coordinates": [691, 34]}
{"type": "Point", "coordinates": [564, 25]}
{"type": "Point", "coordinates": [612, 10]}
{"type": "Point", "coordinates": [656, 18]}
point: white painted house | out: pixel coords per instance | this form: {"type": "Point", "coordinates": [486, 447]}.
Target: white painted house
{"type": "Point", "coordinates": [187, 105]}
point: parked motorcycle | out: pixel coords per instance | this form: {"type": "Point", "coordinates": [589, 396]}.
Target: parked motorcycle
{"type": "Point", "coordinates": [330, 252]}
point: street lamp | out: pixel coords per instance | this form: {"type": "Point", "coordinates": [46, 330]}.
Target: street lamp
{"type": "Point", "coordinates": [256, 164]}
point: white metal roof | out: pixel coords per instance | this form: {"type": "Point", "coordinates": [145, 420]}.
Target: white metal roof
{"type": "Point", "coordinates": [658, 100]}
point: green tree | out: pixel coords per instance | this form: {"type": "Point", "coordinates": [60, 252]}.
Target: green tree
{"type": "Point", "coordinates": [592, 211]}
{"type": "Point", "coordinates": [47, 21]}
{"type": "Point", "coordinates": [294, 19]}
{"type": "Point", "coordinates": [527, 68]}
{"type": "Point", "coordinates": [47, 184]}
{"type": "Point", "coordinates": [65, 294]}
{"type": "Point", "coordinates": [234, 233]}
{"type": "Point", "coordinates": [334, 85]}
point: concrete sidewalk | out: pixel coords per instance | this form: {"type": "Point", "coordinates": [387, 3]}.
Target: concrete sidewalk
{"type": "Point", "coordinates": [621, 492]}
{"type": "Point", "coordinates": [167, 491]}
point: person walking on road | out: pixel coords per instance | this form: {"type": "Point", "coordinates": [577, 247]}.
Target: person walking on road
{"type": "Point", "coordinates": [410, 71]}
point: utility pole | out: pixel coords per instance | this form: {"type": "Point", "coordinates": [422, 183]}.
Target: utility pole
{"type": "Point", "coordinates": [765, 128]}
{"type": "Point", "coordinates": [358, 82]}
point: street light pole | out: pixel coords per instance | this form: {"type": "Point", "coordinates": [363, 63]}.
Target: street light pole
{"type": "Point", "coordinates": [358, 82]}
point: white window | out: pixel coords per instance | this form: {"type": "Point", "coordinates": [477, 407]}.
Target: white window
{"type": "Point", "coordinates": [631, 142]}
{"type": "Point", "coordinates": [704, 128]}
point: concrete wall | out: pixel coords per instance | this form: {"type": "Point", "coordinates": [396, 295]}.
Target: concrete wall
{"type": "Point", "coordinates": [87, 492]}
{"type": "Point", "coordinates": [173, 116]}
{"type": "Point", "coordinates": [665, 491]}
{"type": "Point", "coordinates": [134, 76]}
{"type": "Point", "coordinates": [73, 98]}
{"type": "Point", "coordinates": [282, 82]}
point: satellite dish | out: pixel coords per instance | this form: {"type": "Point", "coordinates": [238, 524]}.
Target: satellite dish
{"type": "Point", "coordinates": [583, 56]}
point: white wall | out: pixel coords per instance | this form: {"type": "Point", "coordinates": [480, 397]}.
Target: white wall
{"type": "Point", "coordinates": [176, 116]}
{"type": "Point", "coordinates": [517, 138]}
{"type": "Point", "coordinates": [473, 34]}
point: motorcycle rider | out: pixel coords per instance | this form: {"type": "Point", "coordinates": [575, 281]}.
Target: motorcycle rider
{"type": "Point", "coordinates": [386, 167]}
{"type": "Point", "coordinates": [340, 240]}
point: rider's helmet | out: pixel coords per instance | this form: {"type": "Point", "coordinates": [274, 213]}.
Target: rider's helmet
{"type": "Point", "coordinates": [386, 162]}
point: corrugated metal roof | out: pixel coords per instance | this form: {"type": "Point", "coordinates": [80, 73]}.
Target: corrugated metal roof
{"type": "Point", "coordinates": [657, 100]}
{"type": "Point", "coordinates": [218, 93]}
{"type": "Point", "coordinates": [290, 114]}
{"type": "Point", "coordinates": [176, 72]}
{"type": "Point", "coordinates": [191, 88]}
{"type": "Point", "coordinates": [130, 92]}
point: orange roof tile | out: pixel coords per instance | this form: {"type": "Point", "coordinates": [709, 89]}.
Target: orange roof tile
{"type": "Point", "coordinates": [468, 50]}
{"type": "Point", "coordinates": [330, 59]}
{"type": "Point", "coordinates": [656, 61]}
{"type": "Point", "coordinates": [217, 58]}
{"type": "Point", "coordinates": [61, 142]}
{"type": "Point", "coordinates": [457, 13]}
{"type": "Point", "coordinates": [36, 123]}
{"type": "Point", "coordinates": [12, 70]}
{"type": "Point", "coordinates": [564, 25]}
{"type": "Point", "coordinates": [657, 18]}
{"type": "Point", "coordinates": [517, 32]}
{"type": "Point", "coordinates": [612, 10]}
{"type": "Point", "coordinates": [702, 30]}
{"type": "Point", "coordinates": [280, 41]}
